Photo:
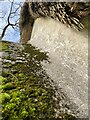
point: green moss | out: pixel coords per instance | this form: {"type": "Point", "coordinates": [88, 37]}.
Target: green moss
{"type": "Point", "coordinates": [24, 114]}
{"type": "Point", "coordinates": [10, 106]}
{"type": "Point", "coordinates": [24, 95]}
{"type": "Point", "coordinates": [8, 86]}
{"type": "Point", "coordinates": [4, 97]}
{"type": "Point", "coordinates": [3, 79]}
{"type": "Point", "coordinates": [4, 46]}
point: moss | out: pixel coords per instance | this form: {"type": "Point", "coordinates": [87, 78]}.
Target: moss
{"type": "Point", "coordinates": [5, 74]}
{"type": "Point", "coordinates": [24, 114]}
{"type": "Point", "coordinates": [4, 46]}
{"type": "Point", "coordinates": [4, 97]}
{"type": "Point", "coordinates": [24, 95]}
{"type": "Point", "coordinates": [8, 86]}
{"type": "Point", "coordinates": [3, 79]}
{"type": "Point", "coordinates": [8, 65]}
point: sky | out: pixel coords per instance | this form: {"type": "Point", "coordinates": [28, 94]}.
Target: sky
{"type": "Point", "coordinates": [11, 35]}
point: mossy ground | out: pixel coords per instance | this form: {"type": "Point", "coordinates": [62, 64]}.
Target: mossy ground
{"type": "Point", "coordinates": [26, 93]}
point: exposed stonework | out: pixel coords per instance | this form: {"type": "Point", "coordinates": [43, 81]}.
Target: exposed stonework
{"type": "Point", "coordinates": [68, 53]}
{"type": "Point", "coordinates": [67, 13]}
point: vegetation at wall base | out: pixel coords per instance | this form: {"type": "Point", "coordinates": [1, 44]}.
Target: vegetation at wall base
{"type": "Point", "coordinates": [26, 92]}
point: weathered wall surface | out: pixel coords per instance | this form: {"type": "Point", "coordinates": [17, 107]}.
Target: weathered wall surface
{"type": "Point", "coordinates": [68, 52]}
